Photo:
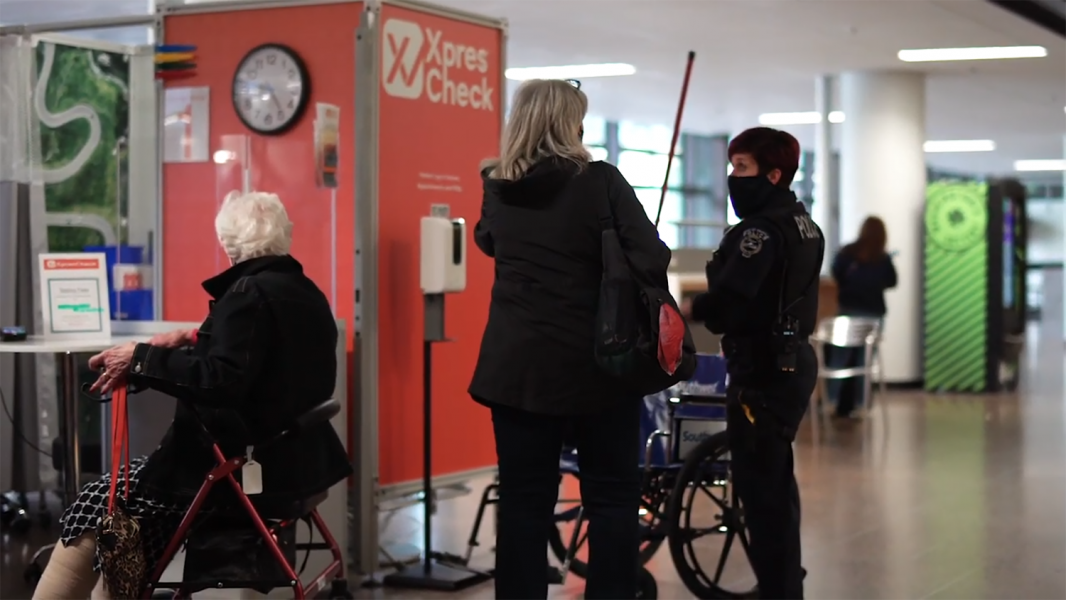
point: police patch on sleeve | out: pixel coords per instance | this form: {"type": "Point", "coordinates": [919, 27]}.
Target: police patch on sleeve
{"type": "Point", "coordinates": [752, 241]}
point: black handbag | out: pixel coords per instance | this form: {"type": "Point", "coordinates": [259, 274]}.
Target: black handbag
{"type": "Point", "coordinates": [641, 337]}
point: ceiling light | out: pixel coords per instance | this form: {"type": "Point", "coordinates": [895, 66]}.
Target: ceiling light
{"type": "Point", "coordinates": [990, 53]}
{"type": "Point", "coordinates": [570, 71]}
{"type": "Point", "coordinates": [959, 146]}
{"type": "Point", "coordinates": [1054, 164]}
{"type": "Point", "coordinates": [799, 118]}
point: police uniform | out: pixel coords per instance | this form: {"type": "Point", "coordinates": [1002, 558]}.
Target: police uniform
{"type": "Point", "coordinates": [763, 298]}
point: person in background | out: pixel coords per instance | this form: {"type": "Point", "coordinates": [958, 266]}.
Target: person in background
{"type": "Point", "coordinates": [863, 270]}
{"type": "Point", "coordinates": [536, 370]}
{"type": "Point", "coordinates": [265, 354]}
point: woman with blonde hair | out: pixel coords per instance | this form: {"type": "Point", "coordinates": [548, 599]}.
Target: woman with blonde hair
{"type": "Point", "coordinates": [544, 208]}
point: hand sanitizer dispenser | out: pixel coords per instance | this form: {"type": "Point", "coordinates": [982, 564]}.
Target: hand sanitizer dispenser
{"type": "Point", "coordinates": [443, 264]}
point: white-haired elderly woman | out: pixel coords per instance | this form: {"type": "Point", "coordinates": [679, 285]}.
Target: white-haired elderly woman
{"type": "Point", "coordinates": [265, 354]}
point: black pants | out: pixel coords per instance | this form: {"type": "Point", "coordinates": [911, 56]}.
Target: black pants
{"type": "Point", "coordinates": [762, 467]}
{"type": "Point", "coordinates": [528, 446]}
{"type": "Point", "coordinates": [848, 392]}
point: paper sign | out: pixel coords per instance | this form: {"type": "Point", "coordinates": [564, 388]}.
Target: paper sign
{"type": "Point", "coordinates": [327, 139]}
{"type": "Point", "coordinates": [75, 297]}
{"type": "Point", "coordinates": [185, 124]}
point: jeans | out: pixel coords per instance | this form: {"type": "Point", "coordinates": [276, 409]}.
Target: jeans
{"type": "Point", "coordinates": [846, 394]}
{"type": "Point", "coordinates": [528, 446]}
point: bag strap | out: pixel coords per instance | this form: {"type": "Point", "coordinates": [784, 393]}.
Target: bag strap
{"type": "Point", "coordinates": [120, 438]}
{"type": "Point", "coordinates": [603, 207]}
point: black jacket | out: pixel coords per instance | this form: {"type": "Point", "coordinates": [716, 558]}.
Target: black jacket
{"type": "Point", "coordinates": [747, 282]}
{"type": "Point", "coordinates": [265, 354]}
{"type": "Point", "coordinates": [861, 285]}
{"type": "Point", "coordinates": [543, 231]}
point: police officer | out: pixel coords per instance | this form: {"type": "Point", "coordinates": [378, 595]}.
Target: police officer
{"type": "Point", "coordinates": [763, 298]}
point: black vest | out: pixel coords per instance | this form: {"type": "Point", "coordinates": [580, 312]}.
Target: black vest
{"type": "Point", "coordinates": [792, 285]}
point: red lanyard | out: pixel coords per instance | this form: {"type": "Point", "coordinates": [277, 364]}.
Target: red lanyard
{"type": "Point", "coordinates": [120, 438]}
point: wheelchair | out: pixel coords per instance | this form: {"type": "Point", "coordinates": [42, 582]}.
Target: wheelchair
{"type": "Point", "coordinates": [263, 529]}
{"type": "Point", "coordinates": [688, 501]}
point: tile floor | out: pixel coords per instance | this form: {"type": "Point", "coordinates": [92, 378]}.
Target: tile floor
{"type": "Point", "coordinates": [931, 496]}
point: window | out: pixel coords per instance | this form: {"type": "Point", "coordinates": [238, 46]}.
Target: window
{"type": "Point", "coordinates": [650, 138]}
{"type": "Point", "coordinates": [595, 131]}
{"type": "Point", "coordinates": [598, 152]}
{"type": "Point", "coordinates": [643, 169]}
{"type": "Point", "coordinates": [730, 216]}
{"type": "Point", "coordinates": [701, 208]}
{"type": "Point", "coordinates": [668, 231]}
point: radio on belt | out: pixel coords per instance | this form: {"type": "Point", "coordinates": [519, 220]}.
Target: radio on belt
{"type": "Point", "coordinates": [443, 265]}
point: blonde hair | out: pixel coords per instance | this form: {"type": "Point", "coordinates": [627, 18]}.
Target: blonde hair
{"type": "Point", "coordinates": [545, 122]}
{"type": "Point", "coordinates": [253, 225]}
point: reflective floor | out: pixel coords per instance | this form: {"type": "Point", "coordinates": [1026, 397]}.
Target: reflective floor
{"type": "Point", "coordinates": [931, 496]}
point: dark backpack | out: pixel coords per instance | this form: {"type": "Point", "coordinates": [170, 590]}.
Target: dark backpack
{"type": "Point", "coordinates": [641, 337]}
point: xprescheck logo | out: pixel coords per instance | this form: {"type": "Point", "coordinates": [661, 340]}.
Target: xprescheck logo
{"type": "Point", "coordinates": [419, 61]}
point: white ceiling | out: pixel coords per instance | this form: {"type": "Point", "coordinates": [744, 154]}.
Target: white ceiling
{"type": "Point", "coordinates": [756, 56]}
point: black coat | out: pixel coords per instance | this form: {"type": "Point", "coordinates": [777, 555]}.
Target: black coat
{"type": "Point", "coordinates": [861, 285]}
{"type": "Point", "coordinates": [265, 354]}
{"type": "Point", "coordinates": [544, 233]}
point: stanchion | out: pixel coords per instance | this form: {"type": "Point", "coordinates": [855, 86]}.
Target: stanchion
{"type": "Point", "coordinates": [432, 573]}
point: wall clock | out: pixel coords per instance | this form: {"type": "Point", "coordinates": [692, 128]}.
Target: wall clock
{"type": "Point", "coordinates": [271, 89]}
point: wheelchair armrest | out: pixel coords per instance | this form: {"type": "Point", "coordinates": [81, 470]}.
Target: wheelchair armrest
{"type": "Point", "coordinates": [321, 413]}
{"type": "Point", "coordinates": [317, 415]}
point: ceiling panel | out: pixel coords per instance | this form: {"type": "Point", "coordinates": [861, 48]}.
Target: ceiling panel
{"type": "Point", "coordinates": [758, 56]}
{"type": "Point", "coordinates": [21, 12]}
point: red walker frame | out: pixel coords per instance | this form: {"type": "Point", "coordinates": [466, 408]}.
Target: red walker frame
{"type": "Point", "coordinates": [224, 472]}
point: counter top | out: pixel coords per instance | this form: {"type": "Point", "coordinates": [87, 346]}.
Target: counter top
{"type": "Point", "coordinates": [36, 344]}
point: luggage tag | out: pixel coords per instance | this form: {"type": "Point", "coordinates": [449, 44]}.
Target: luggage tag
{"type": "Point", "coordinates": [251, 475]}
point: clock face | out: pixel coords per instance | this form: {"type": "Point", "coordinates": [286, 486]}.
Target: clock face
{"type": "Point", "coordinates": [270, 89]}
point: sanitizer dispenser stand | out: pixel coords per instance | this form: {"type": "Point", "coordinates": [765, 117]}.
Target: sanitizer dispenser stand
{"type": "Point", "coordinates": [443, 271]}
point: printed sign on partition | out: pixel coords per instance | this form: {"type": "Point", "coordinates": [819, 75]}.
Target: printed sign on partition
{"type": "Point", "coordinates": [420, 60]}
{"type": "Point", "coordinates": [327, 140]}
{"type": "Point", "coordinates": [75, 296]}
{"type": "Point", "coordinates": [185, 124]}
{"type": "Point", "coordinates": [439, 116]}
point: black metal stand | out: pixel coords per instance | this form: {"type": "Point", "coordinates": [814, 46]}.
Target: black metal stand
{"type": "Point", "coordinates": [432, 573]}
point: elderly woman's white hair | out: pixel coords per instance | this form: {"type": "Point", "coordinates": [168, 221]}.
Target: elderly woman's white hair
{"type": "Point", "coordinates": [253, 225]}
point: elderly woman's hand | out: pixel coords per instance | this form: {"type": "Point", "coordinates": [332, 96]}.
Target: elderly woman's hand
{"type": "Point", "coordinates": [114, 364]}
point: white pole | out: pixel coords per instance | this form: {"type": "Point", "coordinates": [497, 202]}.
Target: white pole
{"type": "Point", "coordinates": [823, 210]}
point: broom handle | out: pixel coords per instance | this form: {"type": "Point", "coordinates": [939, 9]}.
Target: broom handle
{"type": "Point", "coordinates": [677, 134]}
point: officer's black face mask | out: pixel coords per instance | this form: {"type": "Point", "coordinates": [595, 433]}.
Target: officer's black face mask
{"type": "Point", "coordinates": [750, 195]}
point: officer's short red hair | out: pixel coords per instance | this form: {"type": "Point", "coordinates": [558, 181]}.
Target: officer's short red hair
{"type": "Point", "coordinates": [772, 149]}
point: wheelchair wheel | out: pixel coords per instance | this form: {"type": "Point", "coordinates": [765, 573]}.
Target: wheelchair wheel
{"type": "Point", "coordinates": [652, 526]}
{"type": "Point", "coordinates": [707, 521]}
{"type": "Point", "coordinates": [647, 588]}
